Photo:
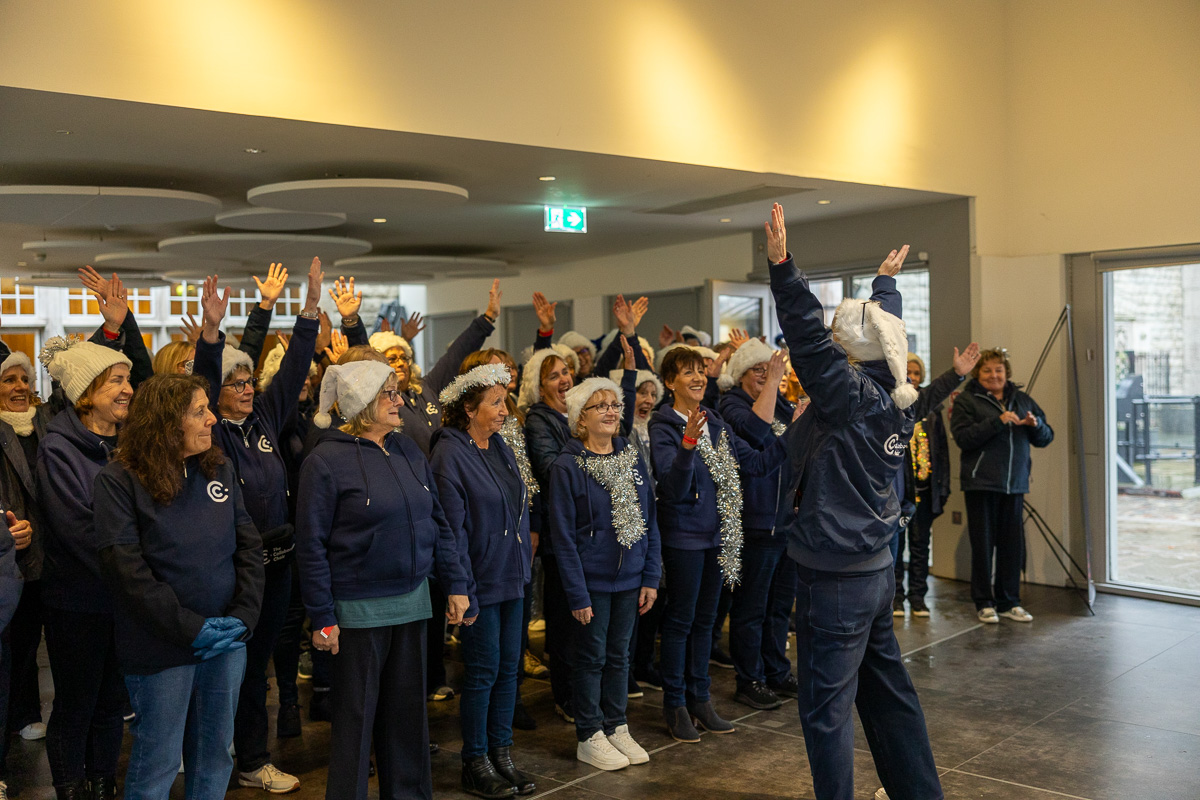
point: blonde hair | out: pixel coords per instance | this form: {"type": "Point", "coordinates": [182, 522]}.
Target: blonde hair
{"type": "Point", "coordinates": [169, 356]}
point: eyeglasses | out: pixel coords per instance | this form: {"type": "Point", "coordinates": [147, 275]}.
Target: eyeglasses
{"type": "Point", "coordinates": [604, 408]}
{"type": "Point", "coordinates": [398, 359]}
{"type": "Point", "coordinates": [760, 370]}
{"type": "Point", "coordinates": [391, 394]}
{"type": "Point", "coordinates": [240, 386]}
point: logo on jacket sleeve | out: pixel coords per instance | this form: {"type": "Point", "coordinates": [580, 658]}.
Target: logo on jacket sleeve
{"type": "Point", "coordinates": [894, 446]}
{"type": "Point", "coordinates": [217, 492]}
{"type": "Point", "coordinates": [264, 445]}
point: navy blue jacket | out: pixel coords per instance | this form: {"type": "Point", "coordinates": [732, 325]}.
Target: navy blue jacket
{"type": "Point", "coordinates": [369, 524]}
{"type": "Point", "coordinates": [11, 582]}
{"type": "Point", "coordinates": [928, 411]}
{"type": "Point", "coordinates": [687, 495]}
{"type": "Point", "coordinates": [840, 507]}
{"type": "Point", "coordinates": [996, 455]}
{"type": "Point", "coordinates": [589, 556]}
{"type": "Point", "coordinates": [493, 537]}
{"type": "Point", "coordinates": [69, 459]}
{"type": "Point", "coordinates": [254, 446]}
{"type": "Point", "coordinates": [171, 567]}
{"type": "Point", "coordinates": [760, 496]}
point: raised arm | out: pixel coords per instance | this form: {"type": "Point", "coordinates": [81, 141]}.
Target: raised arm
{"type": "Point", "coordinates": [258, 322]}
{"type": "Point", "coordinates": [470, 340]}
{"type": "Point", "coordinates": [348, 303]}
{"type": "Point", "coordinates": [282, 397]}
{"type": "Point", "coordinates": [547, 316]}
{"type": "Point", "coordinates": [210, 348]}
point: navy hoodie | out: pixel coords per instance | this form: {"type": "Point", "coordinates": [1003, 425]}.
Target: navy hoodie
{"type": "Point", "coordinates": [69, 459]}
{"type": "Point", "coordinates": [840, 507]}
{"type": "Point", "coordinates": [760, 496]}
{"type": "Point", "coordinates": [589, 556]}
{"type": "Point", "coordinates": [369, 524]}
{"type": "Point", "coordinates": [493, 537]}
{"type": "Point", "coordinates": [171, 567]}
{"type": "Point", "coordinates": [687, 495]}
{"type": "Point", "coordinates": [254, 445]}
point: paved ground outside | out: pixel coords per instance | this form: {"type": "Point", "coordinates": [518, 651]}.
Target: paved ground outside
{"type": "Point", "coordinates": [1158, 541]}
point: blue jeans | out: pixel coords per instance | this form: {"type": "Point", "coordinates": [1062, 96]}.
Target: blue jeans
{"type": "Point", "coordinates": [188, 709]}
{"type": "Point", "coordinates": [600, 683]}
{"type": "Point", "coordinates": [250, 721]}
{"type": "Point", "coordinates": [491, 651]}
{"type": "Point", "coordinates": [762, 604]}
{"type": "Point", "coordinates": [848, 655]}
{"type": "Point", "coordinates": [695, 580]}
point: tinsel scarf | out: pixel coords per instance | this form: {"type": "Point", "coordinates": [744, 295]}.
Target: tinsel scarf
{"type": "Point", "coordinates": [778, 427]}
{"type": "Point", "coordinates": [615, 473]}
{"type": "Point", "coordinates": [514, 436]}
{"type": "Point", "coordinates": [723, 467]}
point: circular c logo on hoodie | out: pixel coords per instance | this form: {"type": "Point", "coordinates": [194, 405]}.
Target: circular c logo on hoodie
{"type": "Point", "coordinates": [264, 445]}
{"type": "Point", "coordinates": [893, 446]}
{"type": "Point", "coordinates": [217, 492]}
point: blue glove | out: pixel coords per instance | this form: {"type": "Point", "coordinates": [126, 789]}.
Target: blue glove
{"type": "Point", "coordinates": [219, 634]}
{"type": "Point", "coordinates": [220, 649]}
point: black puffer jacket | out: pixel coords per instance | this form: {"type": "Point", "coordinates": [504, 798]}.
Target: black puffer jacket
{"type": "Point", "coordinates": [995, 455]}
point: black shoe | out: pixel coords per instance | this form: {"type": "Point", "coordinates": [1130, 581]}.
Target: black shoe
{"type": "Point", "coordinates": [789, 687]}
{"type": "Point", "coordinates": [502, 760]}
{"type": "Point", "coordinates": [480, 778]}
{"type": "Point", "coordinates": [898, 606]}
{"type": "Point", "coordinates": [103, 787]}
{"type": "Point", "coordinates": [757, 695]}
{"type": "Point", "coordinates": [634, 690]}
{"type": "Point", "coordinates": [919, 609]}
{"type": "Point", "coordinates": [649, 677]}
{"type": "Point", "coordinates": [565, 711]}
{"type": "Point", "coordinates": [708, 718]}
{"type": "Point", "coordinates": [719, 658]}
{"type": "Point", "coordinates": [318, 709]}
{"type": "Point", "coordinates": [79, 790]}
{"type": "Point", "coordinates": [679, 724]}
{"type": "Point", "coordinates": [287, 724]}
{"type": "Point", "coordinates": [522, 721]}
{"type": "Point", "coordinates": [434, 748]}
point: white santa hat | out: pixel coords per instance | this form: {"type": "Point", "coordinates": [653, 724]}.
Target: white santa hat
{"type": "Point", "coordinates": [578, 397]}
{"type": "Point", "coordinates": [868, 333]}
{"type": "Point", "coordinates": [643, 376]}
{"type": "Point", "coordinates": [704, 339]}
{"type": "Point", "coordinates": [74, 364]}
{"type": "Point", "coordinates": [17, 359]}
{"type": "Point", "coordinates": [352, 386]}
{"type": "Point", "coordinates": [576, 340]}
{"type": "Point", "coordinates": [754, 351]}
{"type": "Point", "coordinates": [386, 340]}
{"type": "Point", "coordinates": [232, 359]}
{"type": "Point", "coordinates": [531, 378]}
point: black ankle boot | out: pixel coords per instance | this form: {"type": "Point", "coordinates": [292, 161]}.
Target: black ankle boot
{"type": "Point", "coordinates": [502, 760]}
{"type": "Point", "coordinates": [480, 778]}
{"type": "Point", "coordinates": [72, 791]}
{"type": "Point", "coordinates": [103, 787]}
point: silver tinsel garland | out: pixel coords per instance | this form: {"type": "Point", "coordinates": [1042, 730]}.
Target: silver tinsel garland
{"type": "Point", "coordinates": [615, 473]}
{"type": "Point", "coordinates": [778, 428]}
{"type": "Point", "coordinates": [723, 467]}
{"type": "Point", "coordinates": [514, 436]}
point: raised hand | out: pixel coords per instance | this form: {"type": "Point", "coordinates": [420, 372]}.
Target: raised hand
{"type": "Point", "coordinates": [312, 298]}
{"type": "Point", "coordinates": [714, 369]}
{"type": "Point", "coordinates": [324, 332]}
{"type": "Point", "coordinates": [337, 346]}
{"type": "Point", "coordinates": [110, 296]}
{"type": "Point", "coordinates": [776, 236]}
{"type": "Point", "coordinates": [695, 427]}
{"type": "Point", "coordinates": [412, 326]}
{"type": "Point", "coordinates": [190, 328]}
{"type": "Point", "coordinates": [738, 337]}
{"type": "Point", "coordinates": [493, 307]}
{"type": "Point", "coordinates": [545, 313]}
{"type": "Point", "coordinates": [776, 368]}
{"type": "Point", "coordinates": [895, 260]}
{"type": "Point", "coordinates": [345, 299]}
{"type": "Point", "coordinates": [284, 339]}
{"type": "Point", "coordinates": [638, 309]}
{"type": "Point", "coordinates": [965, 361]}
{"type": "Point", "coordinates": [801, 407]}
{"type": "Point", "coordinates": [623, 315]}
{"type": "Point", "coordinates": [270, 288]}
{"type": "Point", "coordinates": [667, 336]}
{"type": "Point", "coordinates": [630, 363]}
{"type": "Point", "coordinates": [214, 306]}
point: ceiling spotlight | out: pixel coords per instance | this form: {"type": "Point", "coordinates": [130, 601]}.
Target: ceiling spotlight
{"type": "Point", "coordinates": [379, 219]}
{"type": "Point", "coordinates": [22, 264]}
{"type": "Point", "coordinates": [726, 219]}
{"type": "Point", "coordinates": [63, 131]}
{"type": "Point", "coordinates": [547, 178]}
{"type": "Point", "coordinates": [255, 150]}
{"type": "Point", "coordinates": [824, 202]}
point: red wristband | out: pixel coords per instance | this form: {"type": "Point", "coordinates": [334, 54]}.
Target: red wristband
{"type": "Point", "coordinates": [111, 336]}
{"type": "Point", "coordinates": [689, 440]}
{"type": "Point", "coordinates": [547, 334]}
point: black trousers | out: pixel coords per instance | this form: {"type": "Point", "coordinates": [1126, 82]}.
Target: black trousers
{"type": "Point", "coordinates": [995, 523]}
{"type": "Point", "coordinates": [918, 535]}
{"type": "Point", "coordinates": [24, 637]}
{"type": "Point", "coordinates": [435, 640]}
{"type": "Point", "coordinates": [560, 631]}
{"type": "Point", "coordinates": [83, 737]}
{"type": "Point", "coordinates": [288, 645]}
{"type": "Point", "coordinates": [250, 723]}
{"type": "Point", "coordinates": [378, 685]}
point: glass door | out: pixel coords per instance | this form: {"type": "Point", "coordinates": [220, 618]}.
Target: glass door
{"type": "Point", "coordinates": [1152, 333]}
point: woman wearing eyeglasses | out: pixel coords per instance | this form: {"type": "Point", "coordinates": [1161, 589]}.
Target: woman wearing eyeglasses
{"type": "Point", "coordinates": [247, 430]}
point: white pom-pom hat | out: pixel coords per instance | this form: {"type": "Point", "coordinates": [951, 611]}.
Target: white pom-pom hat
{"type": "Point", "coordinates": [231, 360]}
{"type": "Point", "coordinates": [704, 338]}
{"type": "Point", "coordinates": [868, 333]}
{"type": "Point", "coordinates": [643, 376]}
{"type": "Point", "coordinates": [352, 386]}
{"type": "Point", "coordinates": [575, 340]}
{"type": "Point", "coordinates": [578, 397]}
{"type": "Point", "coordinates": [754, 351]}
{"type": "Point", "coordinates": [75, 364]}
{"type": "Point", "coordinates": [18, 359]}
{"type": "Point", "coordinates": [386, 340]}
{"type": "Point", "coordinates": [531, 378]}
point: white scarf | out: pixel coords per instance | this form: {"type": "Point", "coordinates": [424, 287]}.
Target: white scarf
{"type": "Point", "coordinates": [21, 421]}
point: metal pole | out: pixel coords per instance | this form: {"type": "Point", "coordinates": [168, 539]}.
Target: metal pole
{"type": "Point", "coordinates": [1196, 436]}
{"type": "Point", "coordinates": [1083, 481]}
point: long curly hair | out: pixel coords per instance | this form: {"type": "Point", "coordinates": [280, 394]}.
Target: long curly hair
{"type": "Point", "coordinates": [150, 444]}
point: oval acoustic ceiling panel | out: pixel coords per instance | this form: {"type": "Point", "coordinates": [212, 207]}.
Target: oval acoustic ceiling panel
{"type": "Point", "coordinates": [69, 252]}
{"type": "Point", "coordinates": [70, 280]}
{"type": "Point", "coordinates": [152, 261]}
{"type": "Point", "coordinates": [263, 248]}
{"type": "Point", "coordinates": [101, 206]}
{"type": "Point", "coordinates": [278, 219]}
{"type": "Point", "coordinates": [357, 197]}
{"type": "Point", "coordinates": [423, 269]}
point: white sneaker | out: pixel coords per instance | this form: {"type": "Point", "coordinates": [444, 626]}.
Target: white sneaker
{"type": "Point", "coordinates": [1017, 614]}
{"type": "Point", "coordinates": [34, 731]}
{"type": "Point", "coordinates": [988, 615]}
{"type": "Point", "coordinates": [600, 754]}
{"type": "Point", "coordinates": [269, 777]}
{"type": "Point", "coordinates": [880, 794]}
{"type": "Point", "coordinates": [3, 790]}
{"type": "Point", "coordinates": [628, 747]}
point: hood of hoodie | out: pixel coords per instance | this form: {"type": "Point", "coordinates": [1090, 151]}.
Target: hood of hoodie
{"type": "Point", "coordinates": [68, 425]}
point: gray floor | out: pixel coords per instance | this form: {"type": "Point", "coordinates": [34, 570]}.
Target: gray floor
{"type": "Point", "coordinates": [1104, 707]}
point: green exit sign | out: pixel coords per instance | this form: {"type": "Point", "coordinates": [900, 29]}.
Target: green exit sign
{"type": "Point", "coordinates": [566, 219]}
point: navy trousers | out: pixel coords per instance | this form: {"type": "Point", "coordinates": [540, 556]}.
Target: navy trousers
{"type": "Point", "coordinates": [762, 604]}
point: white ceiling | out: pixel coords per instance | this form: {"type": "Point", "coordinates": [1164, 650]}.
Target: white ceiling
{"type": "Point", "coordinates": [491, 204]}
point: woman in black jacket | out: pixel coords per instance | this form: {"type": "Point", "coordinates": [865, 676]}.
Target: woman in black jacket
{"type": "Point", "coordinates": [995, 424]}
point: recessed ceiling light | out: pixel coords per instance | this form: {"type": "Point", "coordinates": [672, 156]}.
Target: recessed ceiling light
{"type": "Point", "coordinates": [64, 132]}
{"type": "Point", "coordinates": [22, 264]}
{"type": "Point", "coordinates": [824, 202]}
{"type": "Point", "coordinates": [547, 178]}
{"type": "Point", "coordinates": [255, 150]}
{"type": "Point", "coordinates": [726, 219]}
{"type": "Point", "coordinates": [379, 219]}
